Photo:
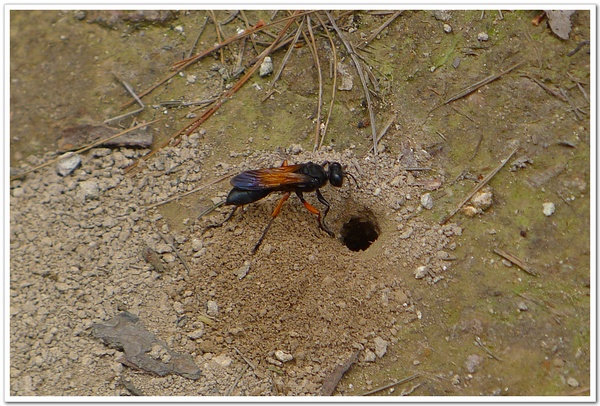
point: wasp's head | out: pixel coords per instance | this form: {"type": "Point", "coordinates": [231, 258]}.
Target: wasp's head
{"type": "Point", "coordinates": [336, 174]}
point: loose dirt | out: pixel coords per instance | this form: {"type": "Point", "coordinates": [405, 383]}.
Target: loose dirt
{"type": "Point", "coordinates": [425, 300]}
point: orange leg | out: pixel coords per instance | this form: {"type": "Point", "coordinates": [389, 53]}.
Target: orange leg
{"type": "Point", "coordinates": [316, 211]}
{"type": "Point", "coordinates": [275, 213]}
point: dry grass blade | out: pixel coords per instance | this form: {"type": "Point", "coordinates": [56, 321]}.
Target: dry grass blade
{"type": "Point", "coordinates": [181, 65]}
{"type": "Point", "coordinates": [378, 31]}
{"type": "Point", "coordinates": [470, 89]}
{"type": "Point", "coordinates": [518, 262]}
{"type": "Point", "coordinates": [190, 128]}
{"type": "Point", "coordinates": [313, 48]}
{"type": "Point", "coordinates": [546, 88]}
{"type": "Point", "coordinates": [477, 188]}
{"type": "Point", "coordinates": [401, 381]}
{"type": "Point", "coordinates": [334, 85]}
{"type": "Point", "coordinates": [191, 51]}
{"type": "Point", "coordinates": [361, 74]}
{"type": "Point", "coordinates": [285, 58]}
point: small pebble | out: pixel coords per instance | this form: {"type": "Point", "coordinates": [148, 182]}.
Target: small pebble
{"type": "Point", "coordinates": [196, 334]}
{"type": "Point", "coordinates": [456, 62]}
{"type": "Point", "coordinates": [427, 201]}
{"type": "Point", "coordinates": [380, 346]}
{"type": "Point", "coordinates": [68, 163]}
{"type": "Point", "coordinates": [549, 208]}
{"type": "Point", "coordinates": [573, 382]}
{"type": "Point", "coordinates": [266, 68]}
{"type": "Point", "coordinates": [483, 36]}
{"type": "Point", "coordinates": [447, 28]}
{"type": "Point", "coordinates": [283, 356]}
{"type": "Point", "coordinates": [472, 363]}
{"type": "Point", "coordinates": [421, 272]}
{"type": "Point", "coordinates": [212, 308]}
{"type": "Point", "coordinates": [522, 306]}
{"type": "Point", "coordinates": [370, 356]}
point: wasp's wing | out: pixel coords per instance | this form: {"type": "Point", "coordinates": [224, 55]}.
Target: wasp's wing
{"type": "Point", "coordinates": [270, 178]}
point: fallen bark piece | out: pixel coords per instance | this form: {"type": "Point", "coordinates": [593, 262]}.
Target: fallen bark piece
{"type": "Point", "coordinates": [142, 349]}
{"type": "Point", "coordinates": [332, 380]}
{"type": "Point", "coordinates": [81, 135]}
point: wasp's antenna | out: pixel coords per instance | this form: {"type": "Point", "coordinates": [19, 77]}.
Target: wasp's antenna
{"type": "Point", "coordinates": [353, 178]}
{"type": "Point", "coordinates": [211, 209]}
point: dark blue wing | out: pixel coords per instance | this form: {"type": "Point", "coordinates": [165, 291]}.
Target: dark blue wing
{"type": "Point", "coordinates": [270, 178]}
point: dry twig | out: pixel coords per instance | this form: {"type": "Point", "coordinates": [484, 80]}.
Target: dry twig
{"type": "Point", "coordinates": [334, 85]}
{"type": "Point", "coordinates": [401, 381]}
{"type": "Point", "coordinates": [378, 31]}
{"type": "Point", "coordinates": [361, 74]}
{"type": "Point", "coordinates": [470, 89]}
{"type": "Point", "coordinates": [518, 262]}
{"type": "Point", "coordinates": [315, 52]}
{"type": "Point", "coordinates": [480, 185]}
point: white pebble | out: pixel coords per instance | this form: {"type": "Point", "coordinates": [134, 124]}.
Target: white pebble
{"type": "Point", "coordinates": [549, 208]}
{"type": "Point", "coordinates": [421, 272]}
{"type": "Point", "coordinates": [380, 346]}
{"type": "Point", "coordinates": [68, 163]}
{"type": "Point", "coordinates": [427, 201]}
{"type": "Point", "coordinates": [266, 68]}
{"type": "Point", "coordinates": [483, 36]}
{"type": "Point", "coordinates": [283, 356]}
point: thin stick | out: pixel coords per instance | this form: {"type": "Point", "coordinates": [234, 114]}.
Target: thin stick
{"type": "Point", "coordinates": [244, 358]}
{"type": "Point", "coordinates": [313, 47]}
{"type": "Point", "coordinates": [218, 31]}
{"type": "Point", "coordinates": [384, 131]}
{"type": "Point", "coordinates": [518, 262]}
{"type": "Point", "coordinates": [285, 59]}
{"type": "Point", "coordinates": [231, 17]}
{"type": "Point", "coordinates": [334, 85]}
{"type": "Point", "coordinates": [477, 188]}
{"type": "Point", "coordinates": [546, 88]}
{"type": "Point", "coordinates": [470, 89]}
{"type": "Point", "coordinates": [401, 381]}
{"type": "Point", "coordinates": [247, 24]}
{"type": "Point", "coordinates": [172, 244]}
{"type": "Point", "coordinates": [134, 95]}
{"type": "Point", "coordinates": [207, 114]}
{"type": "Point", "coordinates": [212, 182]}
{"type": "Point", "coordinates": [486, 349]}
{"type": "Point", "coordinates": [191, 51]}
{"type": "Point", "coordinates": [378, 31]}
{"type": "Point", "coordinates": [237, 381]}
{"type": "Point", "coordinates": [361, 74]}
{"type": "Point", "coordinates": [79, 151]}
{"type": "Point", "coordinates": [181, 65]}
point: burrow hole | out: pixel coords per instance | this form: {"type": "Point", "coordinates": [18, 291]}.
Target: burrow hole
{"type": "Point", "coordinates": [359, 232]}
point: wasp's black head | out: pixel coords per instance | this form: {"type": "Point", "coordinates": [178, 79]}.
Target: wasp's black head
{"type": "Point", "coordinates": [336, 174]}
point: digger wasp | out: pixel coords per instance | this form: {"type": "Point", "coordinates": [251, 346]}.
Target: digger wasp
{"type": "Point", "coordinates": [253, 185]}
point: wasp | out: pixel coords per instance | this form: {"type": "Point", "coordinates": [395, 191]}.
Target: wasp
{"type": "Point", "coordinates": [251, 186]}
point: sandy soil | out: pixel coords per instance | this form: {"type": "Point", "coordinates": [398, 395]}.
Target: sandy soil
{"type": "Point", "coordinates": [101, 240]}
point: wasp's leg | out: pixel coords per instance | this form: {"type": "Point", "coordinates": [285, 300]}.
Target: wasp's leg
{"type": "Point", "coordinates": [273, 215]}
{"type": "Point", "coordinates": [316, 211]}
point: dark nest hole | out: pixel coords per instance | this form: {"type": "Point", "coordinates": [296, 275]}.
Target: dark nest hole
{"type": "Point", "coordinates": [359, 233]}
